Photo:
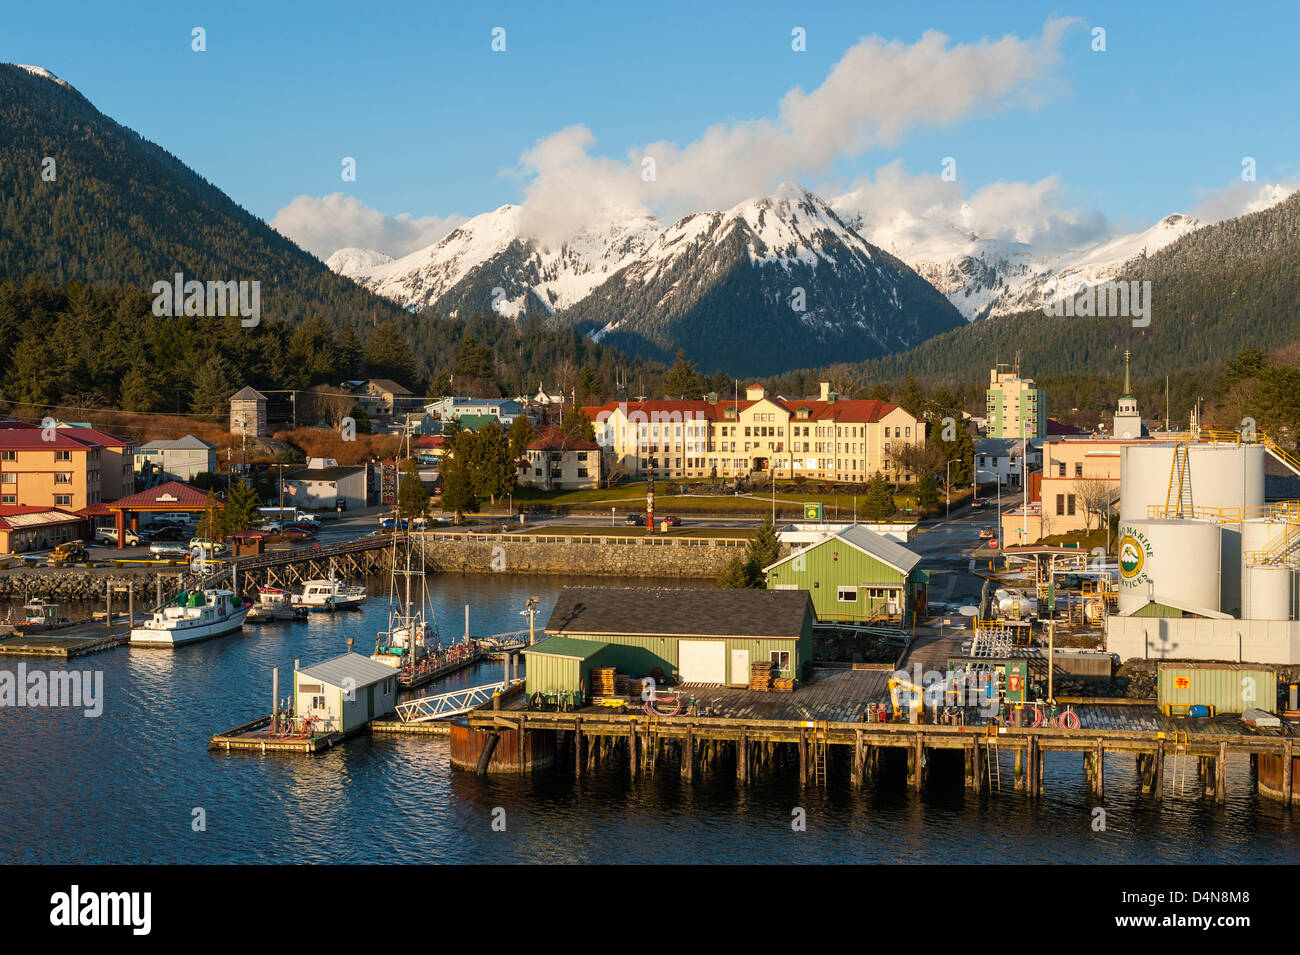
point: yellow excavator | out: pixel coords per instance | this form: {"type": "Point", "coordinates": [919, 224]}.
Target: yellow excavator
{"type": "Point", "coordinates": [905, 695]}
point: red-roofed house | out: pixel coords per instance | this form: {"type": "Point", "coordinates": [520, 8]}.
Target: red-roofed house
{"type": "Point", "coordinates": [63, 466]}
{"type": "Point", "coordinates": [560, 462]}
{"type": "Point", "coordinates": [828, 438]}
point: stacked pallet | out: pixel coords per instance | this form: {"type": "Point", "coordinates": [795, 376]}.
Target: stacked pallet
{"type": "Point", "coordinates": [783, 686]}
{"type": "Point", "coordinates": [760, 676]}
{"type": "Point", "coordinates": [603, 680]}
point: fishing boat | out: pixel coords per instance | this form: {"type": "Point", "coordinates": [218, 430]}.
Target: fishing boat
{"type": "Point", "coordinates": [331, 594]}
{"type": "Point", "coordinates": [191, 616]}
{"type": "Point", "coordinates": [410, 643]}
{"type": "Point", "coordinates": [39, 613]}
{"type": "Point", "coordinates": [274, 604]}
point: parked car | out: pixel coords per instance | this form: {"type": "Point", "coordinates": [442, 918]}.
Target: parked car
{"type": "Point", "coordinates": [215, 548]}
{"type": "Point", "coordinates": [169, 549]}
{"type": "Point", "coordinates": [108, 535]}
{"type": "Point", "coordinates": [672, 521]}
{"type": "Point", "coordinates": [307, 527]}
{"type": "Point", "coordinates": [170, 532]}
{"type": "Point", "coordinates": [270, 527]}
{"type": "Point", "coordinates": [634, 520]}
{"type": "Point", "coordinates": [295, 534]}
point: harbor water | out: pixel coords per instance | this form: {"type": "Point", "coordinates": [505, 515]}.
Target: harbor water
{"type": "Point", "coordinates": [137, 784]}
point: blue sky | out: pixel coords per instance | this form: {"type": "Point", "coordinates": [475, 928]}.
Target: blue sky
{"type": "Point", "coordinates": [436, 120]}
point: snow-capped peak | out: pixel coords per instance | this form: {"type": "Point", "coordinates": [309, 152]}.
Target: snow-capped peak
{"type": "Point", "coordinates": [558, 274]}
{"type": "Point", "coordinates": [350, 262]}
{"type": "Point", "coordinates": [44, 74]}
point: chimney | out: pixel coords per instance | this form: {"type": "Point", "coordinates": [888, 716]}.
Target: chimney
{"type": "Point", "coordinates": [826, 391]}
{"type": "Point", "coordinates": [755, 392]}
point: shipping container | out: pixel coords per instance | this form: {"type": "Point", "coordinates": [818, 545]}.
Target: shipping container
{"type": "Point", "coordinates": [1228, 687]}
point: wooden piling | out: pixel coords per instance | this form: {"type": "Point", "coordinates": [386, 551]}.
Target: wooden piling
{"type": "Point", "coordinates": [577, 746]}
{"type": "Point", "coordinates": [1158, 779]}
{"type": "Point", "coordinates": [742, 758]}
{"type": "Point", "coordinates": [803, 755]}
{"type": "Point", "coordinates": [977, 765]}
{"type": "Point", "coordinates": [1221, 774]}
{"type": "Point", "coordinates": [920, 760]}
{"type": "Point", "coordinates": [688, 753]}
{"type": "Point", "coordinates": [1286, 773]}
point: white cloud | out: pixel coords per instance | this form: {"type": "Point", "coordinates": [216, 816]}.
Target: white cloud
{"type": "Point", "coordinates": [324, 225]}
{"type": "Point", "coordinates": [874, 95]}
{"type": "Point", "coordinates": [1243, 198]}
{"type": "Point", "coordinates": [927, 218]}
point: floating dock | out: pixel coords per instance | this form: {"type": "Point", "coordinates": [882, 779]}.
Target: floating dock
{"type": "Point", "coordinates": [64, 643]}
{"type": "Point", "coordinates": [255, 738]}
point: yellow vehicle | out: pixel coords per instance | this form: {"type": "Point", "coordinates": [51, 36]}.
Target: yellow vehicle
{"type": "Point", "coordinates": [904, 694]}
{"type": "Point", "coordinates": [70, 550]}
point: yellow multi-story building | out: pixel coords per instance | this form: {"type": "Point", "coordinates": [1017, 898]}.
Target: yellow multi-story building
{"type": "Point", "coordinates": [65, 467]}
{"type": "Point", "coordinates": [828, 438]}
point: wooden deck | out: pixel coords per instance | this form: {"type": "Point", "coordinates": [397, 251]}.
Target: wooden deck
{"type": "Point", "coordinates": [252, 737]}
{"type": "Point", "coordinates": [64, 643]}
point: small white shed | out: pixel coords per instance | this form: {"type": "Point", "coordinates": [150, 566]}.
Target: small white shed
{"type": "Point", "coordinates": [344, 693]}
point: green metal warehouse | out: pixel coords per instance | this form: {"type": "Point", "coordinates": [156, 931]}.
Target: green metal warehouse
{"type": "Point", "coordinates": [853, 576]}
{"type": "Point", "coordinates": [699, 636]}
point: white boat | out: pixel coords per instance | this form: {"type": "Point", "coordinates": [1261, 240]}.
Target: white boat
{"type": "Point", "coordinates": [274, 604]}
{"type": "Point", "coordinates": [190, 617]}
{"type": "Point", "coordinates": [331, 594]}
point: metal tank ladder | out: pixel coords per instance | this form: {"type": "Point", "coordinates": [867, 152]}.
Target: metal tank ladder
{"type": "Point", "coordinates": [1178, 499]}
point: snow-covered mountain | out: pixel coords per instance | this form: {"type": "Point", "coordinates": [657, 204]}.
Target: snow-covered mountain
{"type": "Point", "coordinates": [353, 262]}
{"type": "Point", "coordinates": [770, 284]}
{"type": "Point", "coordinates": [488, 263]}
{"type": "Point", "coordinates": [986, 277]}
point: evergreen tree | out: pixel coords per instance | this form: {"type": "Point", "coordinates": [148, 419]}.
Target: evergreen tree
{"type": "Point", "coordinates": [388, 354]}
{"type": "Point", "coordinates": [576, 424]}
{"type": "Point", "coordinates": [451, 428]}
{"type": "Point", "coordinates": [764, 548]}
{"type": "Point", "coordinates": [240, 510]}
{"type": "Point", "coordinates": [682, 381]}
{"type": "Point", "coordinates": [214, 383]}
{"type": "Point", "coordinates": [210, 525]}
{"type": "Point", "coordinates": [739, 573]}
{"type": "Point", "coordinates": [457, 483]}
{"type": "Point", "coordinates": [927, 492]}
{"type": "Point", "coordinates": [522, 434]}
{"type": "Point", "coordinates": [412, 497]}
{"type": "Point", "coordinates": [493, 469]}
{"type": "Point", "coordinates": [878, 502]}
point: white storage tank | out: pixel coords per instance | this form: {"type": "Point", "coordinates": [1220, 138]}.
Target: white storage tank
{"type": "Point", "coordinates": [1169, 560]}
{"type": "Point", "coordinates": [1221, 476]}
{"type": "Point", "coordinates": [1266, 591]}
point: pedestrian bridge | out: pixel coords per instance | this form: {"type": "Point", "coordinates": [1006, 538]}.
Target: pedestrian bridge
{"type": "Point", "coordinates": [445, 705]}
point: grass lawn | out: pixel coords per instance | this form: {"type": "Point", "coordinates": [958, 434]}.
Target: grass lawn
{"type": "Point", "coordinates": [739, 533]}
{"type": "Point", "coordinates": [630, 499]}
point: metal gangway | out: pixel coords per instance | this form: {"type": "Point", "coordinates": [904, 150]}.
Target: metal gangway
{"type": "Point", "coordinates": [444, 705]}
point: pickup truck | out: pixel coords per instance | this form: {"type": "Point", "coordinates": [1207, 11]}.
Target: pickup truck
{"type": "Point", "coordinates": [108, 535]}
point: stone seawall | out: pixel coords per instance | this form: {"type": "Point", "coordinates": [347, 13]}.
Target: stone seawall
{"type": "Point", "coordinates": [597, 556]}
{"type": "Point", "coordinates": [70, 584]}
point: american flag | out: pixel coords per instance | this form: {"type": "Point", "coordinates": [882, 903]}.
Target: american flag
{"type": "Point", "coordinates": [292, 489]}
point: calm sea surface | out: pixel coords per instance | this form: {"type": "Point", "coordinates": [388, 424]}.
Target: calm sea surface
{"type": "Point", "coordinates": [123, 787]}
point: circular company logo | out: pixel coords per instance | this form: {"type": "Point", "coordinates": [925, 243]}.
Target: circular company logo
{"type": "Point", "coordinates": [1131, 557]}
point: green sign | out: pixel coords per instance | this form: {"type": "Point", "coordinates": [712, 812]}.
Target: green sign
{"type": "Point", "coordinates": [813, 512]}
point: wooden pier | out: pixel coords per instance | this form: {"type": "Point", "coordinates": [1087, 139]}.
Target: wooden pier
{"type": "Point", "coordinates": [820, 729]}
{"type": "Point", "coordinates": [353, 560]}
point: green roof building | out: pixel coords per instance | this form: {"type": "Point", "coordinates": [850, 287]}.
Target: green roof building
{"type": "Point", "coordinates": [854, 576]}
{"type": "Point", "coordinates": [707, 636]}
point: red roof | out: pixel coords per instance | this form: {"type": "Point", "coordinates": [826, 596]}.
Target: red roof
{"type": "Point", "coordinates": [103, 438]}
{"type": "Point", "coordinates": [553, 439]}
{"type": "Point", "coordinates": [32, 439]}
{"type": "Point", "coordinates": [173, 494]}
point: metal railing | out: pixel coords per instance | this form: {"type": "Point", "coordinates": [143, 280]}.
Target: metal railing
{"type": "Point", "coordinates": [444, 705]}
